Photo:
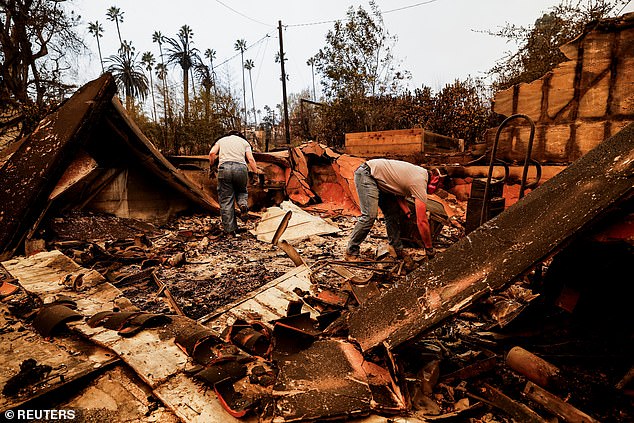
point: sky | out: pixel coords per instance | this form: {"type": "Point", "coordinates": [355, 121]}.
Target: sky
{"type": "Point", "coordinates": [438, 41]}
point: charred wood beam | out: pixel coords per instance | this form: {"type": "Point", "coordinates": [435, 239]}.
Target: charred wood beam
{"type": "Point", "coordinates": [534, 368]}
{"type": "Point", "coordinates": [629, 376]}
{"type": "Point", "coordinates": [518, 411]}
{"type": "Point", "coordinates": [165, 291]}
{"type": "Point", "coordinates": [555, 405]}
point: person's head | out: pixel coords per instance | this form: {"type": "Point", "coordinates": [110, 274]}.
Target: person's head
{"type": "Point", "coordinates": [435, 180]}
{"type": "Point", "coordinates": [235, 132]}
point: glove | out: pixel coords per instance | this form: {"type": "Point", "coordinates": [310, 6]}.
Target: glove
{"type": "Point", "coordinates": [212, 172]}
{"type": "Point", "coordinates": [430, 252]}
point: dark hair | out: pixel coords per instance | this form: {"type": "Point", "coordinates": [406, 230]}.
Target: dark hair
{"type": "Point", "coordinates": [229, 133]}
{"type": "Point", "coordinates": [235, 132]}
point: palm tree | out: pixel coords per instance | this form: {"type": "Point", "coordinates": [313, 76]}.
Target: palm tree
{"type": "Point", "coordinates": [205, 77]}
{"type": "Point", "coordinates": [96, 29]}
{"type": "Point", "coordinates": [128, 74]}
{"type": "Point", "coordinates": [248, 65]}
{"type": "Point", "coordinates": [116, 15]}
{"type": "Point", "coordinates": [181, 52]}
{"type": "Point", "coordinates": [161, 73]}
{"type": "Point", "coordinates": [241, 46]}
{"type": "Point", "coordinates": [211, 55]}
{"type": "Point", "coordinates": [311, 62]}
{"type": "Point", "coordinates": [148, 60]}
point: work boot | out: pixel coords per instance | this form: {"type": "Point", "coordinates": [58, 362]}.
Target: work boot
{"type": "Point", "coordinates": [244, 213]}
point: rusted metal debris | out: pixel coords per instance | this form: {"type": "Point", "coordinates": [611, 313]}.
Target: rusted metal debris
{"type": "Point", "coordinates": [269, 360]}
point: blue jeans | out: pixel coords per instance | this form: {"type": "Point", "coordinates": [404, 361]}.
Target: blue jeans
{"type": "Point", "coordinates": [371, 198]}
{"type": "Point", "coordinates": [232, 187]}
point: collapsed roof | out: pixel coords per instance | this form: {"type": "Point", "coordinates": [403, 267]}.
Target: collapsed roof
{"type": "Point", "coordinates": [91, 148]}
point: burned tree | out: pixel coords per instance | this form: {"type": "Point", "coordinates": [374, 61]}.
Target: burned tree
{"type": "Point", "coordinates": [36, 39]}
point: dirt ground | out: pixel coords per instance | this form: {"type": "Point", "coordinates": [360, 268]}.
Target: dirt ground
{"type": "Point", "coordinates": [219, 270]}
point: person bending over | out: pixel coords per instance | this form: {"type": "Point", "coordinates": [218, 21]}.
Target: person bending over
{"type": "Point", "coordinates": [384, 184]}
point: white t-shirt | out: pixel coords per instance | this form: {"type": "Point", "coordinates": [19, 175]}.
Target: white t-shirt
{"type": "Point", "coordinates": [400, 178]}
{"type": "Point", "coordinates": [232, 148]}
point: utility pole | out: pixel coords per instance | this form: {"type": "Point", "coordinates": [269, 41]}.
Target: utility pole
{"type": "Point", "coordinates": [286, 123]}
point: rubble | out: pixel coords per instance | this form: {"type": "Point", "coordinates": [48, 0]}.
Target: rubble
{"type": "Point", "coordinates": [154, 312]}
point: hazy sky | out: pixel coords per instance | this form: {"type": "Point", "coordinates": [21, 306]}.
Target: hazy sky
{"type": "Point", "coordinates": [438, 40]}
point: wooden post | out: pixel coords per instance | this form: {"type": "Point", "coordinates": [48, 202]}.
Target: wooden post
{"type": "Point", "coordinates": [534, 368]}
{"type": "Point", "coordinates": [287, 132]}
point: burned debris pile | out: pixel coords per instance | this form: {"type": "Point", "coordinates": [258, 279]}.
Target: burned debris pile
{"type": "Point", "coordinates": [525, 318]}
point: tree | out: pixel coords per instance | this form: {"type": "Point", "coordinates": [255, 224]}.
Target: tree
{"type": "Point", "coordinates": [538, 46]}
{"type": "Point", "coordinates": [241, 46]}
{"type": "Point", "coordinates": [96, 29]}
{"type": "Point", "coordinates": [36, 39]}
{"type": "Point", "coordinates": [161, 73]}
{"type": "Point", "coordinates": [357, 60]}
{"type": "Point", "coordinates": [248, 65]}
{"type": "Point", "coordinates": [148, 60]}
{"type": "Point", "coordinates": [357, 65]}
{"type": "Point", "coordinates": [115, 15]}
{"type": "Point", "coordinates": [181, 52]}
{"type": "Point", "coordinates": [205, 77]}
{"type": "Point", "coordinates": [128, 74]}
{"type": "Point", "coordinates": [211, 55]}
{"type": "Point", "coordinates": [462, 110]}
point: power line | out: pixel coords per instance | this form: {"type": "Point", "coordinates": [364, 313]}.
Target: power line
{"type": "Point", "coordinates": [410, 6]}
{"type": "Point", "coordinates": [243, 15]}
{"type": "Point", "coordinates": [237, 54]}
{"type": "Point", "coordinates": [623, 8]}
{"type": "Point", "coordinates": [257, 77]}
{"type": "Point", "coordinates": [312, 23]}
{"type": "Point", "coordinates": [383, 13]}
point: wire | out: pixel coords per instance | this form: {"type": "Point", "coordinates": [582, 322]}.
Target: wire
{"type": "Point", "coordinates": [387, 11]}
{"type": "Point", "coordinates": [243, 15]}
{"type": "Point", "coordinates": [311, 23]}
{"type": "Point", "coordinates": [238, 53]}
{"type": "Point", "coordinates": [410, 6]}
{"type": "Point", "coordinates": [623, 8]}
{"type": "Point", "coordinates": [257, 77]}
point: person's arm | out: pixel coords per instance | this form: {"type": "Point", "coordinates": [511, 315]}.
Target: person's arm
{"type": "Point", "coordinates": [213, 154]}
{"type": "Point", "coordinates": [423, 223]}
{"type": "Point", "coordinates": [252, 165]}
{"type": "Point", "coordinates": [402, 202]}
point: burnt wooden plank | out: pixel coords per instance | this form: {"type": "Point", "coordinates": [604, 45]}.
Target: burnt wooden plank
{"type": "Point", "coordinates": [556, 405]}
